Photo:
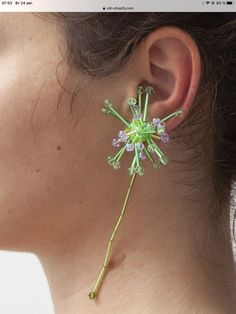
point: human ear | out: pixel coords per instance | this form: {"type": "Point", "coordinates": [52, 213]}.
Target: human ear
{"type": "Point", "coordinates": [171, 63]}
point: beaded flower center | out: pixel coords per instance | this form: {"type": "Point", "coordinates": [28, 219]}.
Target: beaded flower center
{"type": "Point", "coordinates": [139, 134]}
{"type": "Point", "coordinates": [138, 131]}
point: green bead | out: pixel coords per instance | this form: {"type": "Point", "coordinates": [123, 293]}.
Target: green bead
{"type": "Point", "coordinates": [110, 160]}
{"type": "Point", "coordinates": [179, 112]}
{"type": "Point", "coordinates": [108, 102]}
{"type": "Point", "coordinates": [151, 148]}
{"type": "Point", "coordinates": [155, 165]}
{"type": "Point", "coordinates": [140, 89]}
{"type": "Point", "coordinates": [132, 171]}
{"type": "Point", "coordinates": [132, 101]}
{"type": "Point", "coordinates": [150, 90]}
{"type": "Point", "coordinates": [105, 110]}
{"type": "Point", "coordinates": [140, 171]}
{"type": "Point", "coordinates": [116, 164]}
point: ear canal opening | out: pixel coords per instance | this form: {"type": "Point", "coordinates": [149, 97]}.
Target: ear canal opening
{"type": "Point", "coordinates": [165, 82]}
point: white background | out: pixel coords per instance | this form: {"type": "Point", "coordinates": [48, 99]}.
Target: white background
{"type": "Point", "coordinates": [23, 286]}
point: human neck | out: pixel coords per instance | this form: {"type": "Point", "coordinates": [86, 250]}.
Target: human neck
{"type": "Point", "coordinates": [158, 262]}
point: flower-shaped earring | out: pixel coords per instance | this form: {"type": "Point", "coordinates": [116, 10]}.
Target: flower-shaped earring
{"type": "Point", "coordinates": [138, 137]}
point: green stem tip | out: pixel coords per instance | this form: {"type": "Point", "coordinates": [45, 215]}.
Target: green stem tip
{"type": "Point", "coordinates": [92, 295]}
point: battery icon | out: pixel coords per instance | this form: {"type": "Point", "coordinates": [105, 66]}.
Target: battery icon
{"type": "Point", "coordinates": [229, 2]}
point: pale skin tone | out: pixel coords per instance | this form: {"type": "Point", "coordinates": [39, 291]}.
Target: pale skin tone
{"type": "Point", "coordinates": [60, 199]}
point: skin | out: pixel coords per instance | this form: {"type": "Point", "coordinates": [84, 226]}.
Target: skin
{"type": "Point", "coordinates": [60, 200]}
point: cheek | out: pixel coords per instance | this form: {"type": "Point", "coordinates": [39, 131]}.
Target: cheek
{"type": "Point", "coordinates": [40, 163]}
{"type": "Point", "coordinates": [36, 178]}
{"type": "Point", "coordinates": [32, 168]}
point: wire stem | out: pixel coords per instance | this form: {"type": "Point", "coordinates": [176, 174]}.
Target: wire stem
{"type": "Point", "coordinates": [116, 113]}
{"type": "Point", "coordinates": [177, 113]}
{"type": "Point", "coordinates": [155, 137]}
{"type": "Point", "coordinates": [92, 295]}
{"type": "Point", "coordinates": [146, 107]}
{"type": "Point", "coordinates": [140, 102]}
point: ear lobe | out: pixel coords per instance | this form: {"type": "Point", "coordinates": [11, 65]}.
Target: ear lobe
{"type": "Point", "coordinates": [175, 70]}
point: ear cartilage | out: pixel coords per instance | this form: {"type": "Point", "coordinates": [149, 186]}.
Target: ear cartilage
{"type": "Point", "coordinates": [138, 137]}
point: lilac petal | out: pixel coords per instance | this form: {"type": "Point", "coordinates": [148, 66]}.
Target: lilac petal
{"type": "Point", "coordinates": [165, 138]}
{"type": "Point", "coordinates": [161, 128]}
{"type": "Point", "coordinates": [129, 147]}
{"type": "Point", "coordinates": [123, 136]}
{"type": "Point", "coordinates": [137, 116]}
{"type": "Point", "coordinates": [115, 142]}
{"type": "Point", "coordinates": [156, 121]}
{"type": "Point", "coordinates": [140, 146]}
{"type": "Point", "coordinates": [142, 155]}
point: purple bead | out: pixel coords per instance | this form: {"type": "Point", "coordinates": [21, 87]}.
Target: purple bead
{"type": "Point", "coordinates": [122, 133]}
{"type": "Point", "coordinates": [136, 108]}
{"type": "Point", "coordinates": [156, 121]}
{"type": "Point", "coordinates": [123, 136]}
{"type": "Point", "coordinates": [161, 128]}
{"type": "Point", "coordinates": [165, 138]}
{"type": "Point", "coordinates": [140, 146]}
{"type": "Point", "coordinates": [142, 155]}
{"type": "Point", "coordinates": [115, 142]}
{"type": "Point", "coordinates": [137, 116]}
{"type": "Point", "coordinates": [129, 147]}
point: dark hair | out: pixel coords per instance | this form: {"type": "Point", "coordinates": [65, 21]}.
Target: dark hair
{"type": "Point", "coordinates": [100, 44]}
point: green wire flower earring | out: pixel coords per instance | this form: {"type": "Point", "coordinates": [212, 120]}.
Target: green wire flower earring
{"type": "Point", "coordinates": [138, 137]}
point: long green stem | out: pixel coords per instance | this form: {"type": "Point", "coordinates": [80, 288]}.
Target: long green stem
{"type": "Point", "coordinates": [92, 295]}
